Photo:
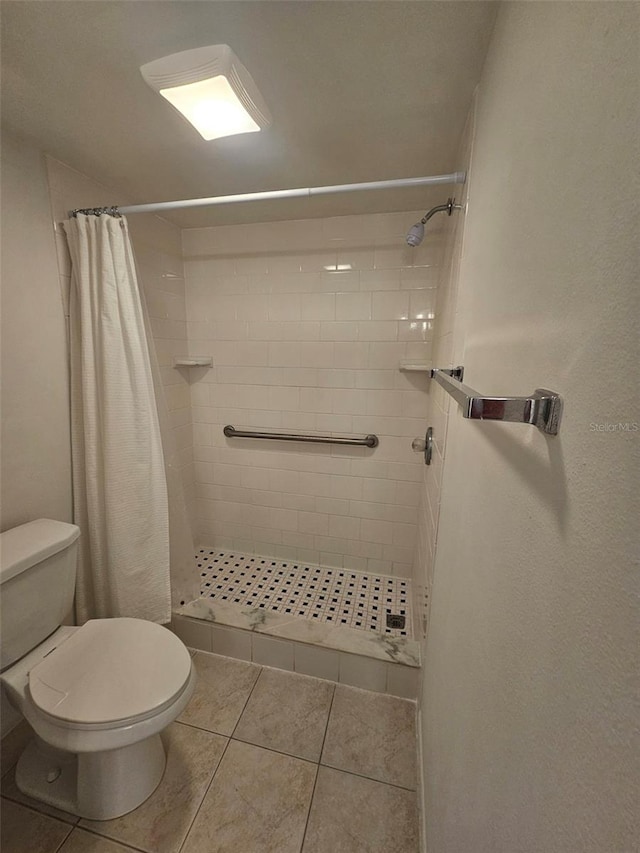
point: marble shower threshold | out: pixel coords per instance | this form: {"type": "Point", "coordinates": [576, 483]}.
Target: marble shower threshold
{"type": "Point", "coordinates": [382, 647]}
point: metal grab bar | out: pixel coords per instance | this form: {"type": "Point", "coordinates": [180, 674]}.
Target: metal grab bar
{"type": "Point", "coordinates": [367, 441]}
{"type": "Point", "coordinates": [542, 409]}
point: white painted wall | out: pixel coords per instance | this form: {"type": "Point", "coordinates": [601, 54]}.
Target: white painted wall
{"type": "Point", "coordinates": [35, 462]}
{"type": "Point", "coordinates": [531, 657]}
{"type": "Point", "coordinates": [36, 454]}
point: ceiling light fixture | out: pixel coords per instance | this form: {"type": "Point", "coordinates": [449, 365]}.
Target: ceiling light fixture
{"type": "Point", "coordinates": [211, 88]}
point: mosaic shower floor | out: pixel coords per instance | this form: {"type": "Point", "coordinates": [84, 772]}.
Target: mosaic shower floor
{"type": "Point", "coordinates": [337, 596]}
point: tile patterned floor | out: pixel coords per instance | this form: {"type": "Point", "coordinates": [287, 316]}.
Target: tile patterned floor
{"type": "Point", "coordinates": [352, 599]}
{"type": "Point", "coordinates": [289, 764]}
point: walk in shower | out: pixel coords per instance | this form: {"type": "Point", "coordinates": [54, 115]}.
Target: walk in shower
{"type": "Point", "coordinates": [307, 489]}
{"type": "Point", "coordinates": [305, 356]}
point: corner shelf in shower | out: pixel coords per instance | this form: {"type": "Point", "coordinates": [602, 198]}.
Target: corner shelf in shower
{"type": "Point", "coordinates": [415, 367]}
{"type": "Point", "coordinates": [193, 361]}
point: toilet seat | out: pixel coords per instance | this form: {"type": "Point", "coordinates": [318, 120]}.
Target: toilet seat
{"type": "Point", "coordinates": [110, 672]}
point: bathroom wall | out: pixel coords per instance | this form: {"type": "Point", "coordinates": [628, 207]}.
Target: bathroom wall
{"type": "Point", "coordinates": [307, 322]}
{"type": "Point", "coordinates": [157, 248]}
{"type": "Point", "coordinates": [527, 702]}
{"type": "Point", "coordinates": [35, 461]}
{"type": "Point", "coordinates": [36, 456]}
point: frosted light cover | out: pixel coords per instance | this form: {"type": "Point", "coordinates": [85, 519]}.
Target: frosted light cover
{"type": "Point", "coordinates": [212, 108]}
{"type": "Point", "coordinates": [211, 88]}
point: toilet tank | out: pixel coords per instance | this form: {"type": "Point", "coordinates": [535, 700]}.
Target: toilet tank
{"type": "Point", "coordinates": [37, 583]}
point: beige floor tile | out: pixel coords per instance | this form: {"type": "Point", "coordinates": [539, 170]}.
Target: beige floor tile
{"type": "Point", "coordinates": [257, 803]}
{"type": "Point", "coordinates": [350, 814]}
{"type": "Point", "coordinates": [373, 735]}
{"type": "Point", "coordinates": [10, 790]}
{"type": "Point", "coordinates": [160, 824]}
{"type": "Point", "coordinates": [221, 693]}
{"type": "Point", "coordinates": [13, 744]}
{"type": "Point", "coordinates": [287, 712]}
{"type": "Point", "coordinates": [84, 842]}
{"type": "Point", "coordinates": [26, 831]}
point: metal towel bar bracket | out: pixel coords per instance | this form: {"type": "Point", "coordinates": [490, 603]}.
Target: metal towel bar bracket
{"type": "Point", "coordinates": [541, 409]}
{"type": "Point", "coordinates": [367, 441]}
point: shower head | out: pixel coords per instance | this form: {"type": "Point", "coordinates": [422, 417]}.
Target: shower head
{"type": "Point", "coordinates": [415, 235]}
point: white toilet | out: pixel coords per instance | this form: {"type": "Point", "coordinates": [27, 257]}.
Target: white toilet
{"type": "Point", "coordinates": [97, 696]}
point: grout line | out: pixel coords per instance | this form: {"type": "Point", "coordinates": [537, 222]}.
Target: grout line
{"type": "Point", "coordinates": [213, 776]}
{"type": "Point", "coordinates": [315, 781]}
{"type": "Point", "coordinates": [64, 840]}
{"type": "Point", "coordinates": [201, 729]}
{"type": "Point", "coordinates": [277, 751]}
{"type": "Point", "coordinates": [224, 752]}
{"type": "Point", "coordinates": [370, 778]}
{"type": "Point", "coordinates": [244, 707]}
{"type": "Point", "coordinates": [124, 844]}
{"type": "Point", "coordinates": [34, 808]}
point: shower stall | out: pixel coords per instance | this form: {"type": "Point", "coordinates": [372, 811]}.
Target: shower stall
{"type": "Point", "coordinates": [304, 358]}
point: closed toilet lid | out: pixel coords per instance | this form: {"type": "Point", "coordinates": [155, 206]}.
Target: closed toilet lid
{"type": "Point", "coordinates": [111, 670]}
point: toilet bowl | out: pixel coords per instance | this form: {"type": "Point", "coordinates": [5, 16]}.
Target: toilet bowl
{"type": "Point", "coordinates": [97, 696]}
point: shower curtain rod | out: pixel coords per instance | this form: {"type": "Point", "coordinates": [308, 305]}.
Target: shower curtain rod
{"type": "Point", "coordinates": [306, 192]}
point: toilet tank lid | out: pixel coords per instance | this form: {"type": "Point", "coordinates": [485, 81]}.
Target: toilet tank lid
{"type": "Point", "coordinates": [24, 546]}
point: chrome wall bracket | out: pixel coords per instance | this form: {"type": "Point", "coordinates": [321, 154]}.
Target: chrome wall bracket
{"type": "Point", "coordinates": [542, 409]}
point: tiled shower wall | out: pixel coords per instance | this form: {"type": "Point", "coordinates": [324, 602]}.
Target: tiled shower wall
{"type": "Point", "coordinates": [157, 249]}
{"type": "Point", "coordinates": [307, 322]}
{"type": "Point", "coordinates": [444, 354]}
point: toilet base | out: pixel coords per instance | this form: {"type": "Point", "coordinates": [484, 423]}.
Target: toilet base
{"type": "Point", "coordinates": [93, 785]}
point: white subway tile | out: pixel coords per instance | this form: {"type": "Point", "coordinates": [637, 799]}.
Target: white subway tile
{"type": "Point", "coordinates": [338, 331]}
{"type": "Point", "coordinates": [252, 306]}
{"type": "Point", "coordinates": [379, 280]}
{"type": "Point", "coordinates": [378, 331]}
{"type": "Point", "coordinates": [284, 263]}
{"type": "Point", "coordinates": [385, 355]}
{"type": "Point", "coordinates": [339, 282]}
{"type": "Point", "coordinates": [333, 506]}
{"type": "Point", "coordinates": [344, 527]}
{"type": "Point", "coordinates": [380, 532]}
{"type": "Point", "coordinates": [415, 330]}
{"type": "Point", "coordinates": [335, 378]}
{"type": "Point", "coordinates": [354, 258]}
{"type": "Point", "coordinates": [318, 307]}
{"type": "Point", "coordinates": [313, 522]}
{"type": "Point", "coordinates": [422, 304]}
{"type": "Point", "coordinates": [353, 306]}
{"type": "Point", "coordinates": [251, 264]}
{"type": "Point", "coordinates": [354, 356]}
{"type": "Point", "coordinates": [284, 398]}
{"type": "Point", "coordinates": [392, 305]}
{"type": "Point", "coordinates": [284, 307]}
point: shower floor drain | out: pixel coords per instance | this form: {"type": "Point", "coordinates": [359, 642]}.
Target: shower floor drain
{"type": "Point", "coordinates": [394, 620]}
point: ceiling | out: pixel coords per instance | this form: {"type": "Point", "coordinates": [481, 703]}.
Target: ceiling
{"type": "Point", "coordinates": [358, 91]}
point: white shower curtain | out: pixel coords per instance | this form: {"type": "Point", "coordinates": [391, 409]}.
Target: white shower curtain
{"type": "Point", "coordinates": [119, 483]}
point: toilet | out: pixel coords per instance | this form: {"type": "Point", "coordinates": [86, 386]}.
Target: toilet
{"type": "Point", "coordinates": [97, 696]}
